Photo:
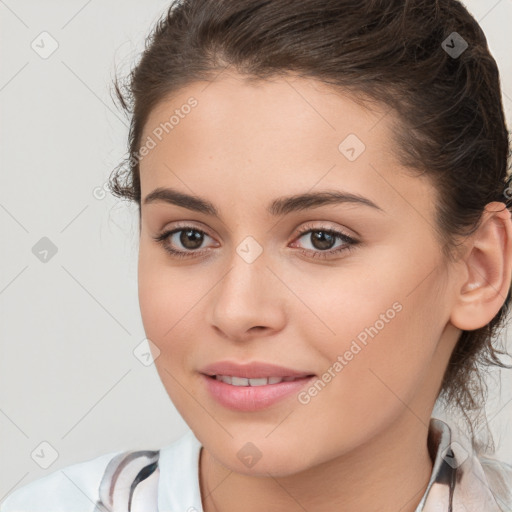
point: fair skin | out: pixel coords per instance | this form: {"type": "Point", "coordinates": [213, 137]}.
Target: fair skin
{"type": "Point", "coordinates": [361, 442]}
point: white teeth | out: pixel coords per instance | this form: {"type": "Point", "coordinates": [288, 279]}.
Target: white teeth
{"type": "Point", "coordinates": [263, 381]}
{"type": "Point", "coordinates": [239, 381]}
{"type": "Point", "coordinates": [258, 382]}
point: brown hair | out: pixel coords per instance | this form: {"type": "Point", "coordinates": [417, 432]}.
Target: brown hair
{"type": "Point", "coordinates": [397, 52]}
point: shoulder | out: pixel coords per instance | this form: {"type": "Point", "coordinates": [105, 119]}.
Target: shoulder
{"type": "Point", "coordinates": [121, 480]}
{"type": "Point", "coordinates": [73, 487]}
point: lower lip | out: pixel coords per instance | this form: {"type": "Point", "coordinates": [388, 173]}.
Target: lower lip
{"type": "Point", "coordinates": [252, 398]}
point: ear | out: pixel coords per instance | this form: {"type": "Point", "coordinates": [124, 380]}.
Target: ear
{"type": "Point", "coordinates": [486, 272]}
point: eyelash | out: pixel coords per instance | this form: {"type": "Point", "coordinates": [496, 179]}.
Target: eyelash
{"type": "Point", "coordinates": [349, 241]}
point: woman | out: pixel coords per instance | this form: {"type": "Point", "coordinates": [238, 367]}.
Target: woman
{"type": "Point", "coordinates": [325, 252]}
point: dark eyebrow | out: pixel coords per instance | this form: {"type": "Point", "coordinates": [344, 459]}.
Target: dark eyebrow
{"type": "Point", "coordinates": [280, 206]}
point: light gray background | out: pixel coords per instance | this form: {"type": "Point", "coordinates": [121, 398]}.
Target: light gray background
{"type": "Point", "coordinates": [69, 326]}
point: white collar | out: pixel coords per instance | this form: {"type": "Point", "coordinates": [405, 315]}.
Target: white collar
{"type": "Point", "coordinates": [458, 481]}
{"type": "Point", "coordinates": [178, 464]}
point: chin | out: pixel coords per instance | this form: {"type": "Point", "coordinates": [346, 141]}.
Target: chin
{"type": "Point", "coordinates": [275, 461]}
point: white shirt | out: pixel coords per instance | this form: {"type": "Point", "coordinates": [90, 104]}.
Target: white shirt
{"type": "Point", "coordinates": [75, 488]}
{"type": "Point", "coordinates": [468, 482]}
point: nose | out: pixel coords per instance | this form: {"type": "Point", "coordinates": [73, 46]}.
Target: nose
{"type": "Point", "coordinates": [248, 300]}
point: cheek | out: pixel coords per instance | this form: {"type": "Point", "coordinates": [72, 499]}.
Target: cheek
{"type": "Point", "coordinates": [172, 310]}
{"type": "Point", "coordinates": [164, 318]}
{"type": "Point", "coordinates": [166, 294]}
{"type": "Point", "coordinates": [383, 333]}
{"type": "Point", "coordinates": [164, 302]}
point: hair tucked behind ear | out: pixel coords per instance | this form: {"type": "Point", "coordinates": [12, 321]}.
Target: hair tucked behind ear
{"type": "Point", "coordinates": [452, 122]}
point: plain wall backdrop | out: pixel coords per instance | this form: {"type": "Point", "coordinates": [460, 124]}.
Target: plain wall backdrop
{"type": "Point", "coordinates": [69, 314]}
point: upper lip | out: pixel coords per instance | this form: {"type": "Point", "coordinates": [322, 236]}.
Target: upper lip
{"type": "Point", "coordinates": [251, 370]}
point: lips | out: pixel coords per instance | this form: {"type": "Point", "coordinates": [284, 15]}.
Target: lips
{"type": "Point", "coordinates": [247, 398]}
{"type": "Point", "coordinates": [251, 387]}
{"type": "Point", "coordinates": [254, 371]}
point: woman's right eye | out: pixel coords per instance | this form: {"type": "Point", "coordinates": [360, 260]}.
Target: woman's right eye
{"type": "Point", "coordinates": [188, 237]}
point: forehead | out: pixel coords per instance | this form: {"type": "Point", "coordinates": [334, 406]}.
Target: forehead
{"type": "Point", "coordinates": [292, 108]}
{"type": "Point", "coordinates": [288, 134]}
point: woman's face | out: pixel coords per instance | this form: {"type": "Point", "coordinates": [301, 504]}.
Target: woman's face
{"type": "Point", "coordinates": [346, 289]}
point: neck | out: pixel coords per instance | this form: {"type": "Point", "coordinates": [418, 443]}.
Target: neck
{"type": "Point", "coordinates": [388, 473]}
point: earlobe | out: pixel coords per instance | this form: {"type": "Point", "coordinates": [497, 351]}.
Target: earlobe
{"type": "Point", "coordinates": [487, 272]}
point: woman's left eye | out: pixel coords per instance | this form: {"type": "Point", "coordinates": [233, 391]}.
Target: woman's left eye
{"type": "Point", "coordinates": [322, 239]}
